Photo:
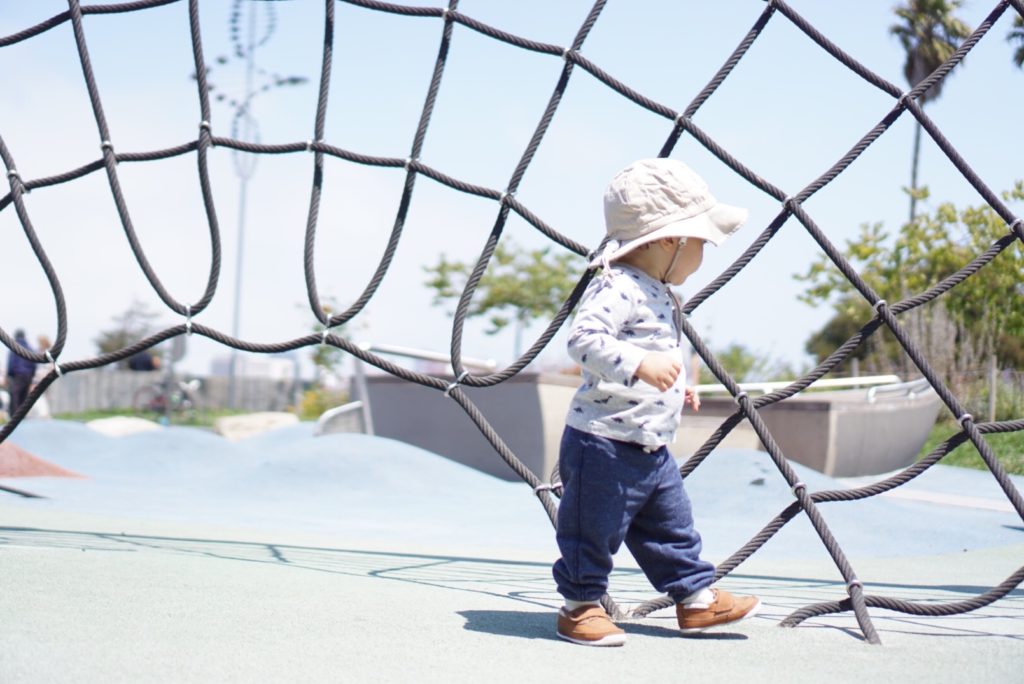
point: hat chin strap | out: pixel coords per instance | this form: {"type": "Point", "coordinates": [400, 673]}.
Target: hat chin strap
{"type": "Point", "coordinates": [675, 257]}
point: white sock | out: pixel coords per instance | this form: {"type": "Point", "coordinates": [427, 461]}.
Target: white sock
{"type": "Point", "coordinates": [699, 599]}
{"type": "Point", "coordinates": [571, 605]}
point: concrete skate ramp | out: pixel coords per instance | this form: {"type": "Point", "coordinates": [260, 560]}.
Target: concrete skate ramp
{"type": "Point", "coordinates": [846, 433]}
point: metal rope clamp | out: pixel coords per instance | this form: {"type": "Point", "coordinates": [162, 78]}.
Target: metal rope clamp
{"type": "Point", "coordinates": [12, 176]}
{"type": "Point", "coordinates": [53, 362]}
{"type": "Point", "coordinates": [188, 319]}
{"type": "Point", "coordinates": [1017, 225]}
{"type": "Point", "coordinates": [107, 145]}
{"type": "Point", "coordinates": [544, 487]}
{"type": "Point", "coordinates": [458, 381]}
{"type": "Point", "coordinates": [204, 125]}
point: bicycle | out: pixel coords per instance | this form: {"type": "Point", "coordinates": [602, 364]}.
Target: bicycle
{"type": "Point", "coordinates": [182, 401]}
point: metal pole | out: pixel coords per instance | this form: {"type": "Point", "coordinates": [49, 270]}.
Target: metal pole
{"type": "Point", "coordinates": [993, 378]}
{"type": "Point", "coordinates": [244, 174]}
{"type": "Point", "coordinates": [364, 396]}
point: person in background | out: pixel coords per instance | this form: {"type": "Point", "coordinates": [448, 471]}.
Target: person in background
{"type": "Point", "coordinates": [144, 360]}
{"type": "Point", "coordinates": [20, 373]}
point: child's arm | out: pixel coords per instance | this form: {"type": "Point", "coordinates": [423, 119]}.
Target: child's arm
{"type": "Point", "coordinates": [692, 398]}
{"type": "Point", "coordinates": [593, 341]}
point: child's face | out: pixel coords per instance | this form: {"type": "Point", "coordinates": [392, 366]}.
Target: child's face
{"type": "Point", "coordinates": [689, 260]}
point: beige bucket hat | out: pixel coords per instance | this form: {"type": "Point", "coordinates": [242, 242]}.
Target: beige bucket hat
{"type": "Point", "coordinates": [657, 198]}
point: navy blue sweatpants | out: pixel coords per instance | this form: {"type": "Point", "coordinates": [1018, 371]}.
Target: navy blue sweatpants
{"type": "Point", "coordinates": [613, 492]}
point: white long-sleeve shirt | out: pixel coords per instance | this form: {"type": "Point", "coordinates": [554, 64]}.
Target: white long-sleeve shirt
{"type": "Point", "coordinates": [623, 315]}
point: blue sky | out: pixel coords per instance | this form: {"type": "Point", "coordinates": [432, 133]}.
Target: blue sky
{"type": "Point", "coordinates": [789, 111]}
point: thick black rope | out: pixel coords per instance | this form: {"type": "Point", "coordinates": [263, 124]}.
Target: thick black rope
{"type": "Point", "coordinates": [747, 408]}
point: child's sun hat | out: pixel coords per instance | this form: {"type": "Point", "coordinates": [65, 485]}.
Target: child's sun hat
{"type": "Point", "coordinates": [660, 198]}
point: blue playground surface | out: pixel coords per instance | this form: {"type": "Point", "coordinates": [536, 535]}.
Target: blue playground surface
{"type": "Point", "coordinates": [248, 554]}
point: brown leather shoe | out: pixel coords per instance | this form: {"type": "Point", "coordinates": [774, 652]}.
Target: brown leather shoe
{"type": "Point", "coordinates": [724, 609]}
{"type": "Point", "coordinates": [589, 626]}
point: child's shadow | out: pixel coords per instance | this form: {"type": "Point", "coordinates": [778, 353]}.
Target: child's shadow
{"type": "Point", "coordinates": [535, 625]}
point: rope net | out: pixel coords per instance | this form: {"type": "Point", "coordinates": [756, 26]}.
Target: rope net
{"type": "Point", "coordinates": [679, 123]}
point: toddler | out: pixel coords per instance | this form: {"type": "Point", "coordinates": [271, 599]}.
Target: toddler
{"type": "Point", "coordinates": [620, 483]}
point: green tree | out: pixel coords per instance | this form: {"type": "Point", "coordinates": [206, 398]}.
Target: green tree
{"type": "Point", "coordinates": [323, 393]}
{"type": "Point", "coordinates": [127, 329]}
{"type": "Point", "coordinates": [518, 287]}
{"type": "Point", "coordinates": [327, 358]}
{"type": "Point", "coordinates": [958, 330]}
{"type": "Point", "coordinates": [929, 34]}
{"type": "Point", "coordinates": [833, 334]}
{"type": "Point", "coordinates": [1016, 35]}
{"type": "Point", "coordinates": [746, 365]}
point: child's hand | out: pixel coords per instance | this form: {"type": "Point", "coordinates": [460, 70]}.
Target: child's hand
{"type": "Point", "coordinates": [692, 398]}
{"type": "Point", "coordinates": [660, 369]}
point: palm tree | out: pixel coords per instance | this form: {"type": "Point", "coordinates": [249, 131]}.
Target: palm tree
{"type": "Point", "coordinates": [1016, 35]}
{"type": "Point", "coordinates": [930, 34]}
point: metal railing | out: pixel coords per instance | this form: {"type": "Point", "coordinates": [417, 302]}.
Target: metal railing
{"type": "Point", "coordinates": [831, 383]}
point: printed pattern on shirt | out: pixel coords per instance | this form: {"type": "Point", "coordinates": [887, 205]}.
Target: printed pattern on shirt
{"type": "Point", "coordinates": [623, 315]}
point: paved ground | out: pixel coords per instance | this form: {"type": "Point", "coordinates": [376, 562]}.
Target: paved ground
{"type": "Point", "coordinates": [184, 557]}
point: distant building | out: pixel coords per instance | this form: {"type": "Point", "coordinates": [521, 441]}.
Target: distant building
{"type": "Point", "coordinates": [272, 367]}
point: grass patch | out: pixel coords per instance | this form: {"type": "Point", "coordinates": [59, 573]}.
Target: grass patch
{"type": "Point", "coordinates": [200, 418]}
{"type": "Point", "coordinates": [1007, 446]}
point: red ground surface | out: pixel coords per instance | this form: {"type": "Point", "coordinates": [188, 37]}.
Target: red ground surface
{"type": "Point", "coordinates": [16, 462]}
